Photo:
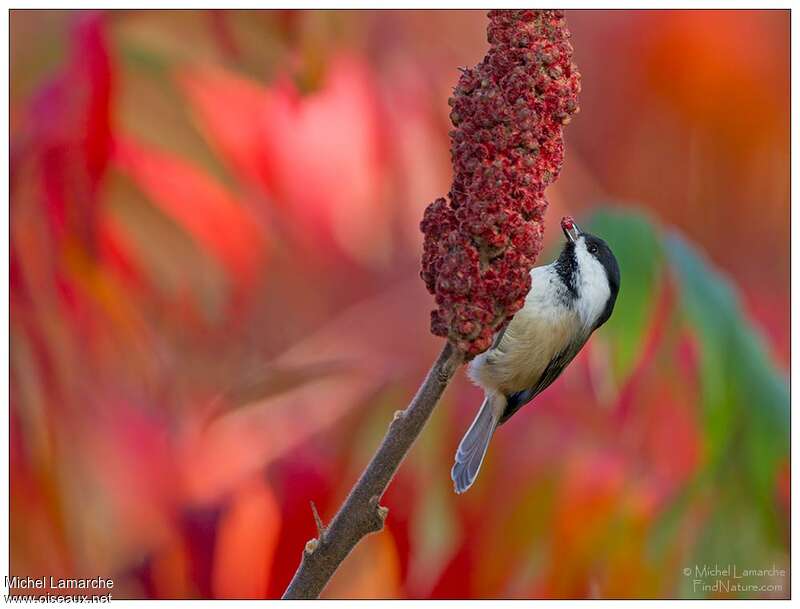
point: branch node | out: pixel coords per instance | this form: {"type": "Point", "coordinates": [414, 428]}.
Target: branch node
{"type": "Point", "coordinates": [376, 515]}
{"type": "Point", "coordinates": [398, 414]}
{"type": "Point", "coordinates": [311, 545]}
{"type": "Point", "coordinates": [383, 511]}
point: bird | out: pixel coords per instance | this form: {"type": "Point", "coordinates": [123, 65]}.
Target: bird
{"type": "Point", "coordinates": [568, 300]}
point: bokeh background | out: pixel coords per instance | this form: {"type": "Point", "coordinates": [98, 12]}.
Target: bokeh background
{"type": "Point", "coordinates": [216, 308]}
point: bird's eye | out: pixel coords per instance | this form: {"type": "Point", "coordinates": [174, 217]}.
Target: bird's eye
{"type": "Point", "coordinates": [592, 248]}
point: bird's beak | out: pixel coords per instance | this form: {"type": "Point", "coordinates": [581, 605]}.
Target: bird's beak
{"type": "Point", "coordinates": [571, 230]}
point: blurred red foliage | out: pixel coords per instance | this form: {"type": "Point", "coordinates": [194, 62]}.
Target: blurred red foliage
{"type": "Point", "coordinates": [215, 305]}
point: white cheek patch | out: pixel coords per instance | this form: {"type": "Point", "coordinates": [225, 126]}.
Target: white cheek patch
{"type": "Point", "coordinates": [592, 284]}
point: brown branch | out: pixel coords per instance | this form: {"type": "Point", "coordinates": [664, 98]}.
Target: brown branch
{"type": "Point", "coordinates": [361, 513]}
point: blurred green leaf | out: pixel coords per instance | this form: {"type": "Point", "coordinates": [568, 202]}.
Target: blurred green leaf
{"type": "Point", "coordinates": [745, 398]}
{"type": "Point", "coordinates": [710, 306]}
{"type": "Point", "coordinates": [635, 243]}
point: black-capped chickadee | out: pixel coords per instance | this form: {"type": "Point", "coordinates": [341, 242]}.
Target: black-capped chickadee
{"type": "Point", "coordinates": [568, 300]}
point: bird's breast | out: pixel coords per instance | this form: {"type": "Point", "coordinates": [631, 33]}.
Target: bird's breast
{"type": "Point", "coordinates": [538, 332]}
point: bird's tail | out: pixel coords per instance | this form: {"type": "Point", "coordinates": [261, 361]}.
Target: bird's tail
{"type": "Point", "coordinates": [475, 442]}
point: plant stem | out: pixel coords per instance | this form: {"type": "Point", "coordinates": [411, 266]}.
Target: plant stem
{"type": "Point", "coordinates": [361, 513]}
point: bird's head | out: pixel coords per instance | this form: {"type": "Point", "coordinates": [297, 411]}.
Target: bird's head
{"type": "Point", "coordinates": [590, 271]}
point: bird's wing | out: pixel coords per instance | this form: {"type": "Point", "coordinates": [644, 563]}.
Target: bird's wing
{"type": "Point", "coordinates": [499, 337]}
{"type": "Point", "coordinates": [551, 373]}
